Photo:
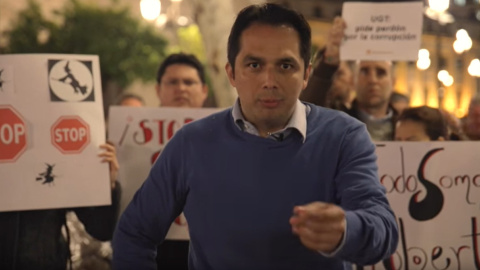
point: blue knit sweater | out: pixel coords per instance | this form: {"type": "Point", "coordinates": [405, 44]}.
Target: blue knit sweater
{"type": "Point", "coordinates": [238, 191]}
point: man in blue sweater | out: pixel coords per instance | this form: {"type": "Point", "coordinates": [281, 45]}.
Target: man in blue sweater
{"type": "Point", "coordinates": [272, 183]}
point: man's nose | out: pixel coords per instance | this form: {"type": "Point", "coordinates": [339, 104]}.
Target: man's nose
{"type": "Point", "coordinates": [181, 86]}
{"type": "Point", "coordinates": [372, 76]}
{"type": "Point", "coordinates": [269, 77]}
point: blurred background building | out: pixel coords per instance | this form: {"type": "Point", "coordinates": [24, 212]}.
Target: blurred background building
{"type": "Point", "coordinates": [446, 75]}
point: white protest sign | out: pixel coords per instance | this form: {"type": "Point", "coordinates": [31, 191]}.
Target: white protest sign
{"type": "Point", "coordinates": [434, 190]}
{"type": "Point", "coordinates": [140, 134]}
{"type": "Point", "coordinates": [382, 31]}
{"type": "Point", "coordinates": [51, 124]}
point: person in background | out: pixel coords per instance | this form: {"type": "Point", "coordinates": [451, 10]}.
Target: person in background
{"type": "Point", "coordinates": [181, 83]}
{"type": "Point", "coordinates": [421, 124]}
{"type": "Point", "coordinates": [248, 178]}
{"type": "Point", "coordinates": [373, 84]}
{"type": "Point", "coordinates": [131, 100]}
{"type": "Point", "coordinates": [399, 102]}
{"type": "Point", "coordinates": [33, 239]}
{"type": "Point", "coordinates": [471, 123]}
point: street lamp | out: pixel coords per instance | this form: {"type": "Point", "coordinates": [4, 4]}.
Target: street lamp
{"type": "Point", "coordinates": [474, 70]}
{"type": "Point", "coordinates": [439, 5]}
{"type": "Point", "coordinates": [150, 9]}
{"type": "Point", "coordinates": [463, 43]}
{"type": "Point", "coordinates": [437, 11]}
{"type": "Point", "coordinates": [423, 63]}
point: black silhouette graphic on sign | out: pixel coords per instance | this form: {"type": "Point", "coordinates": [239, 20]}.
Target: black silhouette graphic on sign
{"type": "Point", "coordinates": [1, 80]}
{"type": "Point", "coordinates": [47, 176]}
{"type": "Point", "coordinates": [72, 81]}
{"type": "Point", "coordinates": [430, 206]}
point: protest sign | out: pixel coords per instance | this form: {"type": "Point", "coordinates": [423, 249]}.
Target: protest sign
{"type": "Point", "coordinates": [434, 190]}
{"type": "Point", "coordinates": [140, 134]}
{"type": "Point", "coordinates": [51, 124]}
{"type": "Point", "coordinates": [382, 31]}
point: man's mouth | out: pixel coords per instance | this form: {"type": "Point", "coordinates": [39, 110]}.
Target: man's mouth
{"type": "Point", "coordinates": [270, 103]}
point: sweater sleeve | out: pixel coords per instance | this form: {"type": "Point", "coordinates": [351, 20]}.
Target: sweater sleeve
{"type": "Point", "coordinates": [372, 233]}
{"type": "Point", "coordinates": [146, 220]}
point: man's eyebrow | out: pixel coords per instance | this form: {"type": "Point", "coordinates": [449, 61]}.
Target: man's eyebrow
{"type": "Point", "coordinates": [287, 60]}
{"type": "Point", "coordinates": [249, 58]}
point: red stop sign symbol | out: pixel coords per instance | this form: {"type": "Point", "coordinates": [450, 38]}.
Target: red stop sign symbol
{"type": "Point", "coordinates": [13, 134]}
{"type": "Point", "coordinates": [70, 134]}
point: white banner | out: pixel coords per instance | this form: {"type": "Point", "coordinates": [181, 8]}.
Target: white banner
{"type": "Point", "coordinates": [434, 189]}
{"type": "Point", "coordinates": [140, 134]}
{"type": "Point", "coordinates": [382, 31]}
{"type": "Point", "coordinates": [51, 124]}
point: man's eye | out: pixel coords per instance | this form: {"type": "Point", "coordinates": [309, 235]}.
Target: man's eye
{"type": "Point", "coordinates": [286, 66]}
{"type": "Point", "coordinates": [381, 72]}
{"type": "Point", "coordinates": [254, 65]}
{"type": "Point", "coordinates": [171, 82]}
{"type": "Point", "coordinates": [189, 82]}
{"type": "Point", "coordinates": [363, 72]}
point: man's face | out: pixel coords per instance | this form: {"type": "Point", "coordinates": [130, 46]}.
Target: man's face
{"type": "Point", "coordinates": [269, 75]}
{"type": "Point", "coordinates": [374, 83]}
{"type": "Point", "coordinates": [181, 86]}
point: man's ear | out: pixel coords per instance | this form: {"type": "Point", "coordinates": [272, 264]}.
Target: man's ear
{"type": "Point", "coordinates": [306, 76]}
{"type": "Point", "coordinates": [158, 89]}
{"type": "Point", "coordinates": [230, 73]}
{"type": "Point", "coordinates": [205, 92]}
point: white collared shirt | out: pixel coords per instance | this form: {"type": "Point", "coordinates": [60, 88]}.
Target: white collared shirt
{"type": "Point", "coordinates": [298, 122]}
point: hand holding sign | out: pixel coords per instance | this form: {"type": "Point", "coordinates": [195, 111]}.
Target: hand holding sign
{"type": "Point", "coordinates": [335, 37]}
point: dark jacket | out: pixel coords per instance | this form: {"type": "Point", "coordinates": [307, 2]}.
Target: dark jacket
{"type": "Point", "coordinates": [319, 85]}
{"type": "Point", "coordinates": [33, 239]}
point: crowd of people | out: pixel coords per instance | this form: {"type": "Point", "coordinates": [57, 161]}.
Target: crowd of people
{"type": "Point", "coordinates": [260, 200]}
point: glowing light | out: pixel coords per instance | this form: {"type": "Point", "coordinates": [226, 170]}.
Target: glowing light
{"type": "Point", "coordinates": [474, 68]}
{"type": "Point", "coordinates": [463, 42]}
{"type": "Point", "coordinates": [442, 75]}
{"type": "Point", "coordinates": [150, 9]}
{"type": "Point", "coordinates": [161, 20]}
{"type": "Point", "coordinates": [448, 81]}
{"type": "Point", "coordinates": [423, 53]}
{"type": "Point", "coordinates": [423, 63]}
{"type": "Point", "coordinates": [182, 20]}
{"type": "Point", "coordinates": [439, 5]}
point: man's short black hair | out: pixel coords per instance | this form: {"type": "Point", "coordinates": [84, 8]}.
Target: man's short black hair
{"type": "Point", "coordinates": [183, 59]}
{"type": "Point", "coordinates": [274, 15]}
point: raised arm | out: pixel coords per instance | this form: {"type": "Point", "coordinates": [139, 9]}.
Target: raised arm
{"type": "Point", "coordinates": [362, 229]}
{"type": "Point", "coordinates": [372, 232]}
{"type": "Point", "coordinates": [325, 65]}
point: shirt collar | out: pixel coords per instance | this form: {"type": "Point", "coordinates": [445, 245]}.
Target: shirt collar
{"type": "Point", "coordinates": [298, 121]}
